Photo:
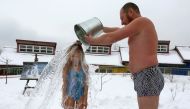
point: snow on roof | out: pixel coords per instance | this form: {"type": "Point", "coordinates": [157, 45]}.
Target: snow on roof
{"type": "Point", "coordinates": [14, 58]}
{"type": "Point", "coordinates": [97, 59]}
{"type": "Point", "coordinates": [124, 54]}
{"type": "Point", "coordinates": [163, 58]}
{"type": "Point", "coordinates": [169, 58]}
{"type": "Point", "coordinates": [185, 52]}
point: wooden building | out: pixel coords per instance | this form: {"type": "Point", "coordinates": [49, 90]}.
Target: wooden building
{"type": "Point", "coordinates": [36, 47]}
{"type": "Point", "coordinates": [12, 58]}
{"type": "Point", "coordinates": [175, 61]}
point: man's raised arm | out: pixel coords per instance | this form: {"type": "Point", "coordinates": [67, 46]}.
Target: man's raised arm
{"type": "Point", "coordinates": [110, 29]}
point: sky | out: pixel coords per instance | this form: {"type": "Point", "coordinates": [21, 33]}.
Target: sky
{"type": "Point", "coordinates": [54, 20]}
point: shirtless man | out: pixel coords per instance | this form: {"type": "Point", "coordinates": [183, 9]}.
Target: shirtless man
{"type": "Point", "coordinates": [148, 79]}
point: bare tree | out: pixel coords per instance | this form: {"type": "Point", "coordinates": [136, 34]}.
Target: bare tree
{"type": "Point", "coordinates": [173, 92]}
{"type": "Point", "coordinates": [183, 88]}
{"type": "Point", "coordinates": [1, 50]}
{"type": "Point", "coordinates": [170, 77]}
{"type": "Point", "coordinates": [102, 82]}
{"type": "Point", "coordinates": [6, 61]}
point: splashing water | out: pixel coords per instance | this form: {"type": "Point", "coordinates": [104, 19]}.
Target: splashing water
{"type": "Point", "coordinates": [34, 71]}
{"type": "Point", "coordinates": [49, 84]}
{"type": "Point", "coordinates": [48, 91]}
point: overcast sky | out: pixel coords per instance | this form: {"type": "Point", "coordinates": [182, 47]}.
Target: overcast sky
{"type": "Point", "coordinates": [54, 20]}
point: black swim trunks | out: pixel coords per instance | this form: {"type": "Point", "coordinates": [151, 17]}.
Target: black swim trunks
{"type": "Point", "coordinates": [148, 82]}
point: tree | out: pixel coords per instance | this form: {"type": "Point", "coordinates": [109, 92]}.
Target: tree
{"type": "Point", "coordinates": [1, 50]}
{"type": "Point", "coordinates": [6, 61]}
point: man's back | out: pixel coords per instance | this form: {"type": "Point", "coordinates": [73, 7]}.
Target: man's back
{"type": "Point", "coordinates": [143, 46]}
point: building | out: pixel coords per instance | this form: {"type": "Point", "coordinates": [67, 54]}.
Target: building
{"type": "Point", "coordinates": [109, 58]}
{"type": "Point", "coordinates": [36, 47]}
{"type": "Point", "coordinates": [12, 58]}
{"type": "Point", "coordinates": [175, 61]}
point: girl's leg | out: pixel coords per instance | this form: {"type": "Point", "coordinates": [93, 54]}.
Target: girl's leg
{"type": "Point", "coordinates": [82, 104]}
{"type": "Point", "coordinates": [69, 103]}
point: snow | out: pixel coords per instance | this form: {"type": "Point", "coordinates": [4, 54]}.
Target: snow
{"type": "Point", "coordinates": [104, 59]}
{"type": "Point", "coordinates": [117, 93]}
{"type": "Point", "coordinates": [124, 54]}
{"type": "Point", "coordinates": [163, 58]}
{"type": "Point", "coordinates": [169, 58]}
{"type": "Point", "coordinates": [114, 59]}
{"type": "Point", "coordinates": [185, 52]}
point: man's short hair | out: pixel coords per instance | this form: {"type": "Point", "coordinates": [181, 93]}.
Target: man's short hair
{"type": "Point", "coordinates": [129, 5]}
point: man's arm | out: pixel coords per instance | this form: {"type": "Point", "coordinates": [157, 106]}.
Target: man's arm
{"type": "Point", "coordinates": [106, 39]}
{"type": "Point", "coordinates": [110, 29]}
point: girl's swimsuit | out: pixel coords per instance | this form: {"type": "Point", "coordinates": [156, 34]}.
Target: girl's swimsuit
{"type": "Point", "coordinates": [75, 87]}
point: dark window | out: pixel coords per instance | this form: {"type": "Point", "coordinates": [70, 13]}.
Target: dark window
{"type": "Point", "coordinates": [162, 48]}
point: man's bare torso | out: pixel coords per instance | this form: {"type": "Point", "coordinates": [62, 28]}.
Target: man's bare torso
{"type": "Point", "coordinates": [143, 47]}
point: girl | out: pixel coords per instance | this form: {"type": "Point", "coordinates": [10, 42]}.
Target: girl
{"type": "Point", "coordinates": [75, 78]}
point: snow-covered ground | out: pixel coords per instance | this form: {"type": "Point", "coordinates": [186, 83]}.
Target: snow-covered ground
{"type": "Point", "coordinates": [116, 92]}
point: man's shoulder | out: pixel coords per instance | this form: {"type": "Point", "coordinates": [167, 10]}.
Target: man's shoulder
{"type": "Point", "coordinates": [143, 19]}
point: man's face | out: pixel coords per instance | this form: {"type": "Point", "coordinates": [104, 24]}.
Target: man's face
{"type": "Point", "coordinates": [125, 18]}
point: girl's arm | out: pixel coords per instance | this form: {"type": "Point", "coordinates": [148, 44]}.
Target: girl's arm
{"type": "Point", "coordinates": [64, 88]}
{"type": "Point", "coordinates": [64, 84]}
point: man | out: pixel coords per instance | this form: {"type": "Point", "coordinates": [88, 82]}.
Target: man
{"type": "Point", "coordinates": [142, 41]}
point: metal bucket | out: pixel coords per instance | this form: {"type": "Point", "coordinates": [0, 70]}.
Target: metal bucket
{"type": "Point", "coordinates": [92, 26]}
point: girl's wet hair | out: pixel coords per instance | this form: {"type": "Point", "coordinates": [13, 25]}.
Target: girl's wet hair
{"type": "Point", "coordinates": [76, 45]}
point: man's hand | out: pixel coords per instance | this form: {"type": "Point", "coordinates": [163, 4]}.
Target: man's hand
{"type": "Point", "coordinates": [89, 39]}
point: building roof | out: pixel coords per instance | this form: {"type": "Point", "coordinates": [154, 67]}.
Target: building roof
{"type": "Point", "coordinates": [124, 54]}
{"type": "Point", "coordinates": [164, 42]}
{"type": "Point", "coordinates": [169, 58]}
{"type": "Point", "coordinates": [113, 59]}
{"type": "Point", "coordinates": [14, 58]}
{"type": "Point", "coordinates": [184, 52]}
{"type": "Point", "coordinates": [42, 43]}
{"type": "Point", "coordinates": [163, 58]}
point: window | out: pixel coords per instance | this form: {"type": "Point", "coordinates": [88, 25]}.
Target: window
{"type": "Point", "coordinates": [22, 48]}
{"type": "Point", "coordinates": [88, 50]}
{"type": "Point", "coordinates": [29, 48]}
{"type": "Point", "coordinates": [109, 70]}
{"type": "Point", "coordinates": [35, 49]}
{"type": "Point", "coordinates": [43, 49]}
{"type": "Point", "coordinates": [189, 72]}
{"type": "Point", "coordinates": [102, 70]}
{"type": "Point", "coordinates": [162, 48]}
{"type": "Point", "coordinates": [97, 71]}
{"type": "Point", "coordinates": [167, 70]}
{"type": "Point", "coordinates": [106, 49]}
{"type": "Point", "coordinates": [94, 48]}
{"type": "Point", "coordinates": [98, 49]}
{"type": "Point", "coordinates": [49, 50]}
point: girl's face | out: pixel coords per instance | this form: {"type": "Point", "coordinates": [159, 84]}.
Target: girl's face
{"type": "Point", "coordinates": [76, 59]}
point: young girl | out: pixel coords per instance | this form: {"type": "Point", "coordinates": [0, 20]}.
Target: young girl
{"type": "Point", "coordinates": [75, 79]}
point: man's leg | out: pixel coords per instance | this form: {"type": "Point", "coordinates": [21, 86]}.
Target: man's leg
{"type": "Point", "coordinates": [148, 102]}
